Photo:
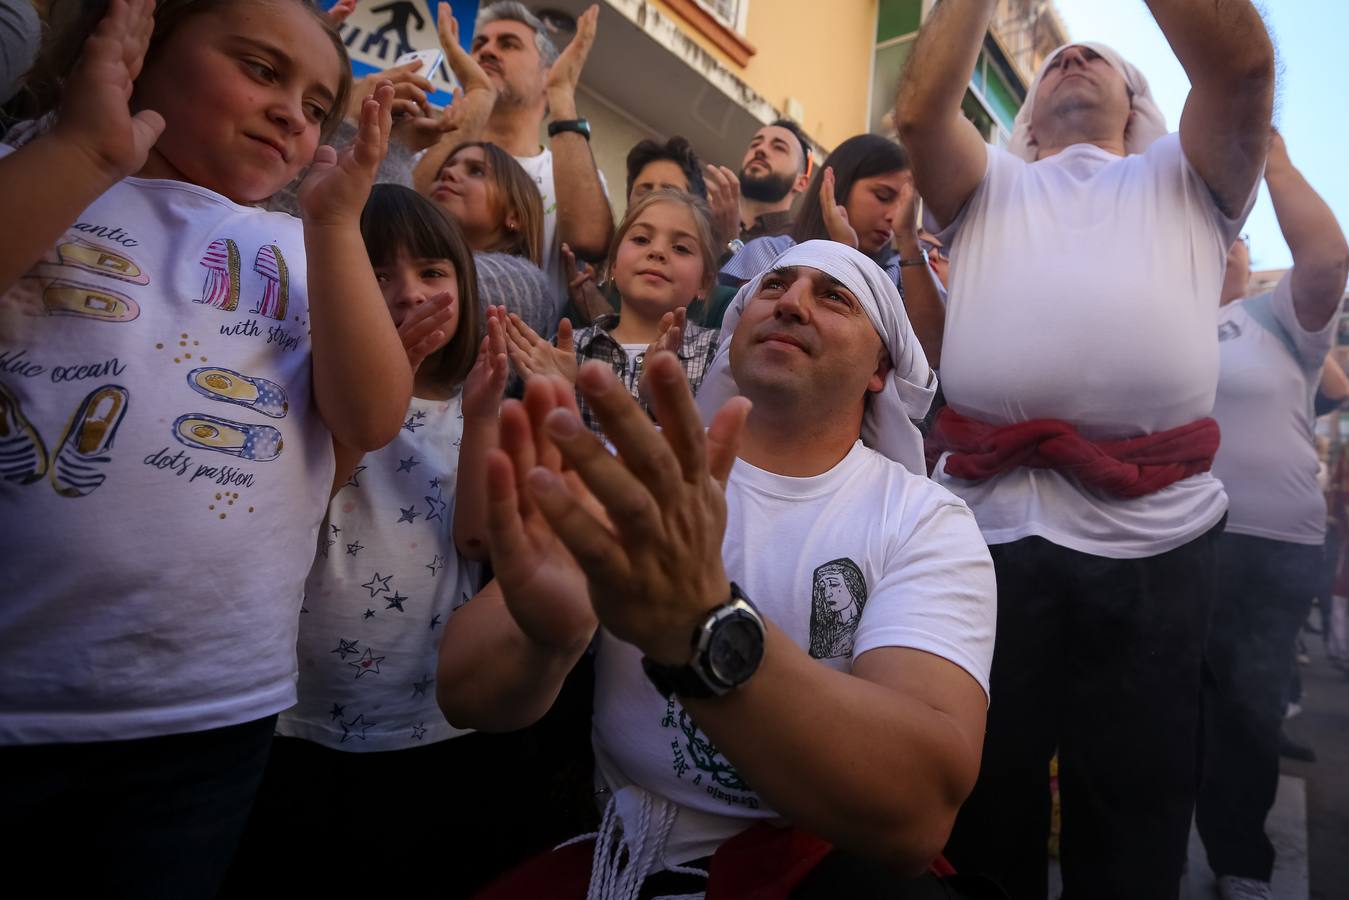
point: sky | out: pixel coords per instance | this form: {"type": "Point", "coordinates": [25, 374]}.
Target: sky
{"type": "Point", "coordinates": [1311, 110]}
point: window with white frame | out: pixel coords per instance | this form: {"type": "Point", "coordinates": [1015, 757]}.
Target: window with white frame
{"type": "Point", "coordinates": [730, 13]}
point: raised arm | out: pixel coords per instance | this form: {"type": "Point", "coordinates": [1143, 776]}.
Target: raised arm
{"type": "Point", "coordinates": [463, 120]}
{"type": "Point", "coordinates": [482, 410]}
{"type": "Point", "coordinates": [97, 142]}
{"type": "Point", "coordinates": [922, 296]}
{"type": "Point", "coordinates": [1320, 254]}
{"type": "Point", "coordinates": [949, 156]}
{"type": "Point", "coordinates": [362, 383]}
{"type": "Point", "coordinates": [1227, 54]}
{"type": "Point", "coordinates": [584, 219]}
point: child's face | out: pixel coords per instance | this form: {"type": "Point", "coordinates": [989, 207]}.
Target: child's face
{"type": "Point", "coordinates": [464, 188]}
{"type": "Point", "coordinates": [407, 283]}
{"type": "Point", "coordinates": [659, 264]}
{"type": "Point", "coordinates": [244, 90]}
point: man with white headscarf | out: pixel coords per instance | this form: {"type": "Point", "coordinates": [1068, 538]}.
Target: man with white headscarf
{"type": "Point", "coordinates": [796, 624]}
{"type": "Point", "coordinates": [1080, 362]}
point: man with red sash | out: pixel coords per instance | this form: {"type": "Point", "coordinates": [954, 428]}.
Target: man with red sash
{"type": "Point", "coordinates": [1080, 362]}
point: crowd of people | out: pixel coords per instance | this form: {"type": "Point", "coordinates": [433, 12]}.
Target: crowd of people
{"type": "Point", "coordinates": [384, 516]}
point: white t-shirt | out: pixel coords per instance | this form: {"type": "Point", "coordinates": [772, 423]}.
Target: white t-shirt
{"type": "Point", "coordinates": [163, 469]}
{"type": "Point", "coordinates": [1267, 459]}
{"type": "Point", "coordinates": [863, 556]}
{"type": "Point", "coordinates": [383, 585]}
{"type": "Point", "coordinates": [1083, 288]}
{"type": "Point", "coordinates": [540, 168]}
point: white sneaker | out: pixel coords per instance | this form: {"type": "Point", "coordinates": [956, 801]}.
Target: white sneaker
{"type": "Point", "coordinates": [1232, 888]}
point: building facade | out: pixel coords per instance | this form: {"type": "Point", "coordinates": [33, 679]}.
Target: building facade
{"type": "Point", "coordinates": [714, 71]}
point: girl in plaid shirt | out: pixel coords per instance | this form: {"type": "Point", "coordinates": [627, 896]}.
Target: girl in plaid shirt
{"type": "Point", "coordinates": [661, 260]}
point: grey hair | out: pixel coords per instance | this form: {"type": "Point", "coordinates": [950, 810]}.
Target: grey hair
{"type": "Point", "coordinates": [515, 11]}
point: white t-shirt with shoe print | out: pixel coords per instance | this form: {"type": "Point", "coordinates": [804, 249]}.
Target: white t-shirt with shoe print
{"type": "Point", "coordinates": [163, 469]}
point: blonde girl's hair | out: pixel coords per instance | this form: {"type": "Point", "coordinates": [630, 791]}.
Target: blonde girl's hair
{"type": "Point", "coordinates": [702, 221]}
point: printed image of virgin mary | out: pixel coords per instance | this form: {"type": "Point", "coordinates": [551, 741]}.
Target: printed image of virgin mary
{"type": "Point", "coordinates": [838, 593]}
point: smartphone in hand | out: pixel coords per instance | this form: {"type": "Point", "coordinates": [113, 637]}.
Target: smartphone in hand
{"type": "Point", "coordinates": [429, 61]}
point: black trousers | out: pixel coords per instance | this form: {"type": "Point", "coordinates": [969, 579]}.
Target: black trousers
{"type": "Point", "coordinates": [1265, 590]}
{"type": "Point", "coordinates": [1100, 660]}
{"type": "Point", "coordinates": [151, 818]}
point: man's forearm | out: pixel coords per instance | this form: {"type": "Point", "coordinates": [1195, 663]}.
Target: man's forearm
{"type": "Point", "coordinates": [584, 220]}
{"type": "Point", "coordinates": [863, 766]}
{"type": "Point", "coordinates": [922, 301]}
{"type": "Point", "coordinates": [491, 676]}
{"type": "Point", "coordinates": [942, 62]}
{"type": "Point", "coordinates": [1219, 42]}
{"type": "Point", "coordinates": [1315, 239]}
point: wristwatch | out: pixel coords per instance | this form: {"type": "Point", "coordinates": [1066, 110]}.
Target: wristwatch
{"type": "Point", "coordinates": [727, 648]}
{"type": "Point", "coordinates": [580, 126]}
{"type": "Point", "coordinates": [919, 260]}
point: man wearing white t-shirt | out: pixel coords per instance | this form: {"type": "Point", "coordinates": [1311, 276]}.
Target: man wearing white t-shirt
{"type": "Point", "coordinates": [793, 626]}
{"type": "Point", "coordinates": [534, 82]}
{"type": "Point", "coordinates": [1269, 558]}
{"type": "Point", "coordinates": [1080, 362]}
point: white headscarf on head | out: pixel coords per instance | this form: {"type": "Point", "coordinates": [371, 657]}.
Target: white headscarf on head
{"type": "Point", "coordinates": [887, 426]}
{"type": "Point", "coordinates": [1148, 122]}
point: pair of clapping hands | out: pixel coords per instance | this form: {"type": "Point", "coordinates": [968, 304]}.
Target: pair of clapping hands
{"type": "Point", "coordinates": [579, 536]}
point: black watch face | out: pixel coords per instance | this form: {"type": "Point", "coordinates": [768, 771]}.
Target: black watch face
{"type": "Point", "coordinates": [735, 650]}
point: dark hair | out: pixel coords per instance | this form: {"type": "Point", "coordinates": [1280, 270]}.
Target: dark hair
{"type": "Point", "coordinates": [863, 156]}
{"type": "Point", "coordinates": [77, 20]}
{"type": "Point", "coordinates": [518, 194]}
{"type": "Point", "coordinates": [676, 150]}
{"type": "Point", "coordinates": [800, 138]}
{"type": "Point", "coordinates": [397, 218]}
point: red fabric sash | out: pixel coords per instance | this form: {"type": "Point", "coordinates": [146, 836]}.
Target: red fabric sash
{"type": "Point", "coordinates": [760, 863]}
{"type": "Point", "coordinates": [1132, 467]}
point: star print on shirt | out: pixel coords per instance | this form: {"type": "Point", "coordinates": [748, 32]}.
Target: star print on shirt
{"type": "Point", "coordinates": [435, 564]}
{"type": "Point", "coordinates": [409, 514]}
{"type": "Point", "coordinates": [418, 731]}
{"type": "Point", "coordinates": [396, 601]}
{"type": "Point", "coordinates": [327, 545]}
{"type": "Point", "coordinates": [406, 465]}
{"type": "Point", "coordinates": [367, 663]}
{"type": "Point", "coordinates": [419, 415]}
{"type": "Point", "coordinates": [419, 688]}
{"type": "Point", "coordinates": [353, 481]}
{"type": "Point", "coordinates": [357, 727]}
{"type": "Point", "coordinates": [435, 484]}
{"type": "Point", "coordinates": [335, 529]}
{"type": "Point", "coordinates": [344, 647]}
{"type": "Point", "coordinates": [383, 585]}
{"type": "Point", "coordinates": [435, 620]}
{"type": "Point", "coordinates": [412, 425]}
{"type": "Point", "coordinates": [369, 614]}
{"type": "Point", "coordinates": [336, 711]}
{"type": "Point", "coordinates": [353, 549]}
{"type": "Point", "coordinates": [435, 507]}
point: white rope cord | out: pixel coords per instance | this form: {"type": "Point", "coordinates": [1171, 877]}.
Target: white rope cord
{"type": "Point", "coordinates": [627, 852]}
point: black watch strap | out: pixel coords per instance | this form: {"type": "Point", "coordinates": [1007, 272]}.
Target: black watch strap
{"type": "Point", "coordinates": [580, 126]}
{"type": "Point", "coordinates": [697, 678]}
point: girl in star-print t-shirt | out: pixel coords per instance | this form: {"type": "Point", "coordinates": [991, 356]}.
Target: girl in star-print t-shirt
{"type": "Point", "coordinates": [366, 732]}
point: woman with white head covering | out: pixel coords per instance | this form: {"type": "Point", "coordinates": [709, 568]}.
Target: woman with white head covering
{"type": "Point", "coordinates": [1079, 363]}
